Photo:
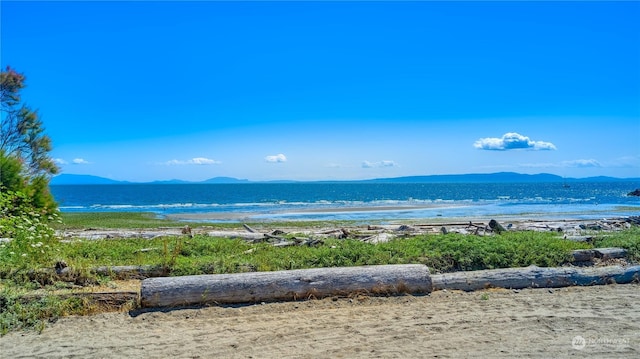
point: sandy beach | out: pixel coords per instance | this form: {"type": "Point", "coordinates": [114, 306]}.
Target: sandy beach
{"type": "Point", "coordinates": [601, 321]}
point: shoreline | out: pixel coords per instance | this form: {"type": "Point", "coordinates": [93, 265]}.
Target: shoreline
{"type": "Point", "coordinates": [387, 214]}
{"type": "Point", "coordinates": [275, 215]}
{"type": "Point", "coordinates": [379, 231]}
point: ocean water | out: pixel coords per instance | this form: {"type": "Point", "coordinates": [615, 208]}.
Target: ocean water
{"type": "Point", "coordinates": [355, 201]}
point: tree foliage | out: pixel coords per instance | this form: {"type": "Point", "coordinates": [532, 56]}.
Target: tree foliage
{"type": "Point", "coordinates": [25, 164]}
{"type": "Point", "coordinates": [22, 132]}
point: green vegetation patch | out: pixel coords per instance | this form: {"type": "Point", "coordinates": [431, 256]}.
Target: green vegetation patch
{"type": "Point", "coordinates": [20, 310]}
{"type": "Point", "coordinates": [146, 220]}
{"type": "Point", "coordinates": [202, 254]}
{"type": "Point", "coordinates": [629, 240]}
{"type": "Point", "coordinates": [182, 255]}
{"type": "Point", "coordinates": [124, 220]}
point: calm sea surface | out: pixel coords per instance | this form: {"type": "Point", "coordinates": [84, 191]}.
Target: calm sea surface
{"type": "Point", "coordinates": [355, 201]}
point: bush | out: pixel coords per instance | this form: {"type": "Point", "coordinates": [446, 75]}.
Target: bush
{"type": "Point", "coordinates": [34, 190]}
{"type": "Point", "coordinates": [629, 240]}
{"type": "Point", "coordinates": [29, 241]}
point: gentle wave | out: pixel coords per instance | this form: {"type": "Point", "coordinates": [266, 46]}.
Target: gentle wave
{"type": "Point", "coordinates": [355, 201]}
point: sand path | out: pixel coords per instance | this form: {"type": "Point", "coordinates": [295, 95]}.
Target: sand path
{"type": "Point", "coordinates": [538, 323]}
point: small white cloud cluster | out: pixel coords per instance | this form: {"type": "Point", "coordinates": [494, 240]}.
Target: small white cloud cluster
{"type": "Point", "coordinates": [379, 164]}
{"type": "Point", "coordinates": [512, 141]}
{"type": "Point", "coordinates": [276, 158]}
{"type": "Point", "coordinates": [193, 161]}
{"type": "Point", "coordinates": [581, 163]}
{"type": "Point", "coordinates": [75, 161]}
{"type": "Point", "coordinates": [80, 161]}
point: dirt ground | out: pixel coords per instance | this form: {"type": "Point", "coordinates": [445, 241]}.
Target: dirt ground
{"type": "Point", "coordinates": [601, 321]}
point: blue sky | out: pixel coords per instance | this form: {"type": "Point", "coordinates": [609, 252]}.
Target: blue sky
{"type": "Point", "coordinates": [144, 91]}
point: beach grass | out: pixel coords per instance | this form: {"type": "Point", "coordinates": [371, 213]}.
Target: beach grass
{"type": "Point", "coordinates": [629, 240]}
{"type": "Point", "coordinates": [200, 254]}
{"type": "Point", "coordinates": [22, 310]}
{"type": "Point", "coordinates": [123, 220]}
{"type": "Point", "coordinates": [147, 220]}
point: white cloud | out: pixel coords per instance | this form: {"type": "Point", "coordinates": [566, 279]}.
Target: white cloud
{"type": "Point", "coordinates": [60, 161]}
{"type": "Point", "coordinates": [333, 165]}
{"type": "Point", "coordinates": [203, 161]}
{"type": "Point", "coordinates": [385, 163]}
{"type": "Point", "coordinates": [626, 161]}
{"type": "Point", "coordinates": [538, 165]}
{"type": "Point", "coordinates": [80, 161]}
{"type": "Point", "coordinates": [581, 163]}
{"type": "Point", "coordinates": [276, 158]}
{"type": "Point", "coordinates": [512, 141]}
{"type": "Point", "coordinates": [193, 161]}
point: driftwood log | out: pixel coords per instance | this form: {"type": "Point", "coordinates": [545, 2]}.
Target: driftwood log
{"type": "Point", "coordinates": [284, 285]}
{"type": "Point", "coordinates": [584, 255]}
{"type": "Point", "coordinates": [534, 277]}
{"type": "Point", "coordinates": [249, 236]}
{"type": "Point", "coordinates": [117, 272]}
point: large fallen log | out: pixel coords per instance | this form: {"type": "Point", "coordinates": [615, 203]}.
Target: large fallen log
{"type": "Point", "coordinates": [284, 285]}
{"type": "Point", "coordinates": [534, 277]}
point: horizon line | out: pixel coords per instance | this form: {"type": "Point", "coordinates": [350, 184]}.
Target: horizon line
{"type": "Point", "coordinates": [398, 178]}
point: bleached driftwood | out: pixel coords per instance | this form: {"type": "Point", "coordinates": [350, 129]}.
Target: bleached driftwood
{"type": "Point", "coordinates": [249, 229]}
{"type": "Point", "coordinates": [610, 253]}
{"type": "Point", "coordinates": [284, 285]}
{"type": "Point", "coordinates": [379, 238]}
{"type": "Point", "coordinates": [584, 255]}
{"type": "Point", "coordinates": [230, 234]}
{"type": "Point", "coordinates": [534, 277]}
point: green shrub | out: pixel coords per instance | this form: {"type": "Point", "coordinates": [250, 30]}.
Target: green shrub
{"type": "Point", "coordinates": [22, 312]}
{"type": "Point", "coordinates": [33, 189]}
{"type": "Point", "coordinates": [29, 242]}
{"type": "Point", "coordinates": [628, 239]}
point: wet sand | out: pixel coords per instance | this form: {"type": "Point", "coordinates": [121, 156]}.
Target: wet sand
{"type": "Point", "coordinates": [234, 216]}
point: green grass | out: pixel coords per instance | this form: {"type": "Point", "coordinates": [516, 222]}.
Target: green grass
{"type": "Point", "coordinates": [22, 311]}
{"type": "Point", "coordinates": [629, 240]}
{"type": "Point", "coordinates": [202, 254]}
{"type": "Point", "coordinates": [114, 220]}
{"type": "Point", "coordinates": [145, 220]}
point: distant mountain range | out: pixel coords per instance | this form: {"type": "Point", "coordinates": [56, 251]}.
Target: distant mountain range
{"type": "Point", "coordinates": [65, 179]}
{"type": "Point", "coordinates": [501, 177]}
